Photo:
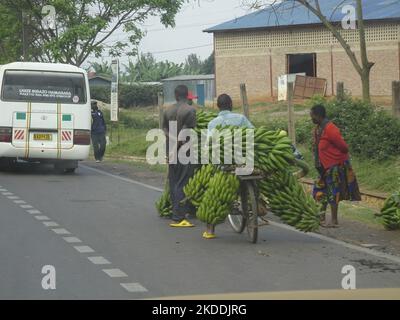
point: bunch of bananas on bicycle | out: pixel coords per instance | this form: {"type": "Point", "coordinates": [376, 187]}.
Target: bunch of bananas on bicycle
{"type": "Point", "coordinates": [213, 190]}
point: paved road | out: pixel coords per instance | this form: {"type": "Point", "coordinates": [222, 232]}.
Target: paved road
{"type": "Point", "coordinates": [103, 236]}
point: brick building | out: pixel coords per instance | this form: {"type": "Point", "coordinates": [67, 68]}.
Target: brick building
{"type": "Point", "coordinates": [257, 48]}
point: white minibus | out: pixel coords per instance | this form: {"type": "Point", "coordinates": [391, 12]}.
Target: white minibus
{"type": "Point", "coordinates": [44, 114]}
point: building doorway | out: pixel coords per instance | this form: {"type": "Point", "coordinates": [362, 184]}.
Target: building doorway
{"type": "Point", "coordinates": [302, 63]}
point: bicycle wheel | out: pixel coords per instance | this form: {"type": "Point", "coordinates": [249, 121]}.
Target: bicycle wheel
{"type": "Point", "coordinates": [239, 219]}
{"type": "Point", "coordinates": [252, 220]}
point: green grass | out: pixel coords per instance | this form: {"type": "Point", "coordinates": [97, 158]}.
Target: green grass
{"type": "Point", "coordinates": [132, 142]}
{"type": "Point", "coordinates": [360, 213]}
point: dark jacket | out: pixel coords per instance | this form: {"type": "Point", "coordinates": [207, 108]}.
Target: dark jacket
{"type": "Point", "coordinates": [98, 123]}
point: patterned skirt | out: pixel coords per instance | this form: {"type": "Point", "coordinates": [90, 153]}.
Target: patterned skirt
{"type": "Point", "coordinates": [336, 184]}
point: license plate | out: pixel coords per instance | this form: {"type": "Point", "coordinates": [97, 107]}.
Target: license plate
{"type": "Point", "coordinates": [42, 136]}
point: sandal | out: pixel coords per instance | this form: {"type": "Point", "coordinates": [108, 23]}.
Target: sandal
{"type": "Point", "coordinates": [183, 224]}
{"type": "Point", "coordinates": [207, 235]}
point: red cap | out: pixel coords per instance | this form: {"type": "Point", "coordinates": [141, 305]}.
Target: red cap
{"type": "Point", "coordinates": [191, 96]}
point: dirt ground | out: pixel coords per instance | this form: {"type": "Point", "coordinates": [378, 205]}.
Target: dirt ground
{"type": "Point", "coordinates": [373, 237]}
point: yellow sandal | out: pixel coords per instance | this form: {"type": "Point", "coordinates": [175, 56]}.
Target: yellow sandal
{"type": "Point", "coordinates": [183, 224]}
{"type": "Point", "coordinates": [207, 235]}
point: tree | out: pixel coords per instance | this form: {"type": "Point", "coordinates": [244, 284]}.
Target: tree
{"type": "Point", "coordinates": [101, 69]}
{"type": "Point", "coordinates": [147, 69]}
{"type": "Point", "coordinates": [85, 27]}
{"type": "Point", "coordinates": [10, 45]}
{"type": "Point", "coordinates": [362, 67]}
{"type": "Point", "coordinates": [193, 64]}
{"type": "Point", "coordinates": [209, 65]}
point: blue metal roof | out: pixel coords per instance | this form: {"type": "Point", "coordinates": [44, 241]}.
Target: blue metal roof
{"type": "Point", "coordinates": [287, 13]}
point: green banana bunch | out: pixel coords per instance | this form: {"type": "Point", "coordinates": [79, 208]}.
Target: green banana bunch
{"type": "Point", "coordinates": [164, 205]}
{"type": "Point", "coordinates": [218, 199]}
{"type": "Point", "coordinates": [227, 142]}
{"type": "Point", "coordinates": [272, 149]}
{"type": "Point", "coordinates": [203, 118]}
{"type": "Point", "coordinates": [390, 212]}
{"type": "Point", "coordinates": [287, 199]}
{"type": "Point", "coordinates": [198, 184]}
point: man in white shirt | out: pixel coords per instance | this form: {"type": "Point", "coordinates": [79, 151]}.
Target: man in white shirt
{"type": "Point", "coordinates": [226, 117]}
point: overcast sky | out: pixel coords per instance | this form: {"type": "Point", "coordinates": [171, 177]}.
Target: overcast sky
{"type": "Point", "coordinates": [188, 32]}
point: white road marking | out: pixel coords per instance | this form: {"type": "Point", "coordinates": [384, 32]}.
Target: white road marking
{"type": "Point", "coordinates": [72, 239]}
{"type": "Point", "coordinates": [99, 260]}
{"type": "Point", "coordinates": [42, 218]}
{"type": "Point", "coordinates": [33, 211]}
{"type": "Point", "coordinates": [50, 224]}
{"type": "Point", "coordinates": [371, 252]}
{"type": "Point", "coordinates": [26, 206]}
{"type": "Point", "coordinates": [84, 249]}
{"type": "Point", "coordinates": [115, 273]}
{"type": "Point", "coordinates": [61, 231]}
{"type": "Point", "coordinates": [123, 179]}
{"type": "Point", "coordinates": [133, 287]}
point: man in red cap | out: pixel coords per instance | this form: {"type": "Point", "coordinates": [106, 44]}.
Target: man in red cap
{"type": "Point", "coordinates": [190, 98]}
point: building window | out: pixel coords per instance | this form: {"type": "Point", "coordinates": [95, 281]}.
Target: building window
{"type": "Point", "coordinates": [302, 63]}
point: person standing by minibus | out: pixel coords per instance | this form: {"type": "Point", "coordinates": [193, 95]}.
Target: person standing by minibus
{"type": "Point", "coordinates": [99, 129]}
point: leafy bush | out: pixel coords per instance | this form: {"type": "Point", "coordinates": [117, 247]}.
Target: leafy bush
{"type": "Point", "coordinates": [138, 95]}
{"type": "Point", "coordinates": [135, 95]}
{"type": "Point", "coordinates": [304, 129]}
{"type": "Point", "coordinates": [136, 122]}
{"type": "Point", "coordinates": [101, 94]}
{"type": "Point", "coordinates": [370, 133]}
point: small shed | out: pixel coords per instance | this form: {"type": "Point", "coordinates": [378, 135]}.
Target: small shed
{"type": "Point", "coordinates": [202, 86]}
{"type": "Point", "coordinates": [99, 82]}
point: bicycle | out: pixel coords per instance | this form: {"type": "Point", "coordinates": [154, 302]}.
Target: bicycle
{"type": "Point", "coordinates": [249, 195]}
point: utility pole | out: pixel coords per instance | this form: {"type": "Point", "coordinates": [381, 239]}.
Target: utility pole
{"type": "Point", "coordinates": [291, 118]}
{"type": "Point", "coordinates": [396, 98]}
{"type": "Point", "coordinates": [245, 102]}
{"type": "Point", "coordinates": [24, 40]}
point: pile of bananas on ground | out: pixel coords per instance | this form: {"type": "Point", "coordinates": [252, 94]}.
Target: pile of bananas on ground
{"type": "Point", "coordinates": [217, 201]}
{"type": "Point", "coordinates": [287, 199]}
{"type": "Point", "coordinates": [390, 212]}
{"type": "Point", "coordinates": [164, 205]}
